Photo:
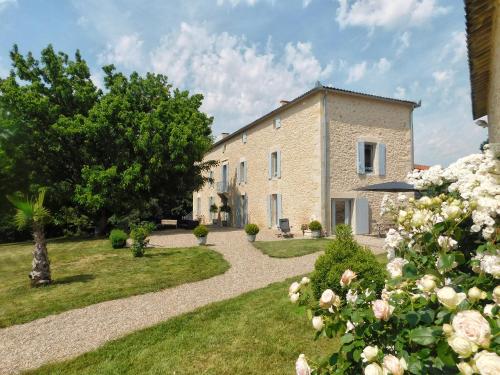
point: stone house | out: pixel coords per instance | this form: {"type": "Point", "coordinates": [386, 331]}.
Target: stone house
{"type": "Point", "coordinates": [303, 160]}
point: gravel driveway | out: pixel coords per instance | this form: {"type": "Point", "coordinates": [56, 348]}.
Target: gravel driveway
{"type": "Point", "coordinates": [74, 332]}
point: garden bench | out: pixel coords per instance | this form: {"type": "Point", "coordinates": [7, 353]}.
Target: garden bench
{"type": "Point", "coordinates": [169, 222]}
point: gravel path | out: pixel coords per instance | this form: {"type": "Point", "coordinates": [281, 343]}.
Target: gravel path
{"type": "Point", "coordinates": [74, 332]}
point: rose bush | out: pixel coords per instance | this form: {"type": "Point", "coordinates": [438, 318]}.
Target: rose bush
{"type": "Point", "coordinates": [439, 309]}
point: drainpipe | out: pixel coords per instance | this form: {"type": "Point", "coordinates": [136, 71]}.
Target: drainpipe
{"type": "Point", "coordinates": [325, 166]}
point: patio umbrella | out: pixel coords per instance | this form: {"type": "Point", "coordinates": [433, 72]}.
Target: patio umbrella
{"type": "Point", "coordinates": [391, 187]}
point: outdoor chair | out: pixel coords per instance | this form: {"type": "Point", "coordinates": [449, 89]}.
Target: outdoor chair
{"type": "Point", "coordinates": [284, 229]}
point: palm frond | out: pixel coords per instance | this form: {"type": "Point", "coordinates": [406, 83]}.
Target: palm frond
{"type": "Point", "coordinates": [29, 211]}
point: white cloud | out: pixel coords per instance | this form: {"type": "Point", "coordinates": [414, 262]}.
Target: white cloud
{"type": "Point", "coordinates": [126, 51]}
{"type": "Point", "coordinates": [404, 42]}
{"type": "Point", "coordinates": [387, 13]}
{"type": "Point", "coordinates": [400, 93]}
{"type": "Point", "coordinates": [305, 3]}
{"type": "Point", "coordinates": [383, 65]}
{"type": "Point", "coordinates": [5, 3]}
{"type": "Point", "coordinates": [443, 77]}
{"type": "Point", "coordinates": [356, 72]}
{"type": "Point", "coordinates": [239, 81]}
{"type": "Point", "coordinates": [456, 49]}
{"type": "Point", "coordinates": [237, 2]}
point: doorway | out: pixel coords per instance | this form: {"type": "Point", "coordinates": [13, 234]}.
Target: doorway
{"type": "Point", "coordinates": [341, 212]}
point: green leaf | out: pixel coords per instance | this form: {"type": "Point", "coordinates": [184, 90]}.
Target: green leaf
{"type": "Point", "coordinates": [410, 271]}
{"type": "Point", "coordinates": [422, 336]}
{"type": "Point", "coordinates": [427, 316]}
{"type": "Point", "coordinates": [412, 318]}
{"type": "Point", "coordinates": [347, 338]}
{"type": "Point", "coordinates": [445, 354]}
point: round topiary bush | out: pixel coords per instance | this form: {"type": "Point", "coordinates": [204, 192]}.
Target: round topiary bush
{"type": "Point", "coordinates": [118, 238]}
{"type": "Point", "coordinates": [315, 225]}
{"type": "Point", "coordinates": [345, 253]}
{"type": "Point", "coordinates": [200, 231]}
{"type": "Point", "coordinates": [252, 229]}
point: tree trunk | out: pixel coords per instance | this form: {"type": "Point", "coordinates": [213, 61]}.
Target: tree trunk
{"type": "Point", "coordinates": [40, 267]}
{"type": "Point", "coordinates": [102, 224]}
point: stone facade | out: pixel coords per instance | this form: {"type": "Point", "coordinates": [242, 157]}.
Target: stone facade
{"type": "Point", "coordinates": [317, 143]}
{"type": "Point", "coordinates": [494, 89]}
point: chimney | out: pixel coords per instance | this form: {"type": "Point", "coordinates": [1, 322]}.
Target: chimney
{"type": "Point", "coordinates": [284, 102]}
{"type": "Point", "coordinates": [221, 136]}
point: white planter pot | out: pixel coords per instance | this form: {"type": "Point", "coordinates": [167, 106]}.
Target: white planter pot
{"type": "Point", "coordinates": [251, 237]}
{"type": "Point", "coordinates": [202, 240]}
{"type": "Point", "coordinates": [315, 234]}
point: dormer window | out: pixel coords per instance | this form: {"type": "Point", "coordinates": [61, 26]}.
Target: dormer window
{"type": "Point", "coordinates": [277, 122]}
{"type": "Point", "coordinates": [244, 137]}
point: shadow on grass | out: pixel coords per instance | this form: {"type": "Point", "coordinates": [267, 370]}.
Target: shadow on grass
{"type": "Point", "coordinates": [83, 278]}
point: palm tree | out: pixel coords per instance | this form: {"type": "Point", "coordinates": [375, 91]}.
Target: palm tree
{"type": "Point", "coordinates": [32, 213]}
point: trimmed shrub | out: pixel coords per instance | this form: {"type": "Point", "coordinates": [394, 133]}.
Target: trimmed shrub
{"type": "Point", "coordinates": [315, 225]}
{"type": "Point", "coordinates": [200, 231]}
{"type": "Point", "coordinates": [252, 229]}
{"type": "Point", "coordinates": [118, 238]}
{"type": "Point", "coordinates": [139, 234]}
{"type": "Point", "coordinates": [345, 253]}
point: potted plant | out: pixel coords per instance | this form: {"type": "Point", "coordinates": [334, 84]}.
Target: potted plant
{"type": "Point", "coordinates": [315, 228]}
{"type": "Point", "coordinates": [251, 231]}
{"type": "Point", "coordinates": [213, 211]}
{"type": "Point", "coordinates": [226, 210]}
{"type": "Point", "coordinates": [201, 232]}
{"type": "Point", "coordinates": [303, 228]}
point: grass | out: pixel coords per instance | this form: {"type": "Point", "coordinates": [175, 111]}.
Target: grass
{"type": "Point", "coordinates": [85, 272]}
{"type": "Point", "coordinates": [292, 248]}
{"type": "Point", "coordinates": [260, 332]}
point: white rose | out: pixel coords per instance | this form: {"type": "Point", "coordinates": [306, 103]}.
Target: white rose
{"type": "Point", "coordinates": [369, 353]}
{"type": "Point", "coordinates": [449, 298]}
{"type": "Point", "coordinates": [496, 294]}
{"type": "Point", "coordinates": [318, 323]}
{"type": "Point", "coordinates": [394, 365]}
{"type": "Point", "coordinates": [294, 288]}
{"type": "Point", "coordinates": [471, 325]}
{"type": "Point", "coordinates": [425, 201]}
{"type": "Point", "coordinates": [373, 369]}
{"type": "Point", "coordinates": [382, 310]}
{"type": "Point", "coordinates": [447, 329]}
{"type": "Point", "coordinates": [301, 366]}
{"type": "Point", "coordinates": [476, 294]}
{"type": "Point", "coordinates": [305, 280]}
{"type": "Point", "coordinates": [349, 327]}
{"type": "Point", "coordinates": [487, 363]}
{"type": "Point", "coordinates": [465, 368]}
{"type": "Point", "coordinates": [395, 267]}
{"type": "Point", "coordinates": [460, 345]}
{"type": "Point", "coordinates": [447, 243]}
{"type": "Point", "coordinates": [327, 299]}
{"type": "Point", "coordinates": [294, 297]}
{"type": "Point", "coordinates": [427, 283]}
{"type": "Point", "coordinates": [347, 277]}
{"type": "Point", "coordinates": [351, 296]}
{"type": "Point", "coordinates": [488, 310]}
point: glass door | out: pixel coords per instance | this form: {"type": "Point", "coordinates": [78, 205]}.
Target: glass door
{"type": "Point", "coordinates": [341, 212]}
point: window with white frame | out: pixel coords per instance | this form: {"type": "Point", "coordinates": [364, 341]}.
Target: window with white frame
{"type": "Point", "coordinates": [242, 172]}
{"type": "Point", "coordinates": [244, 137]}
{"type": "Point", "coordinates": [274, 164]}
{"type": "Point", "coordinates": [277, 122]}
{"type": "Point", "coordinates": [371, 158]}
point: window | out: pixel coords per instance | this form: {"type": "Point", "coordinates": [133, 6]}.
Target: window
{"type": "Point", "coordinates": [277, 122]}
{"type": "Point", "coordinates": [224, 148]}
{"type": "Point", "coordinates": [244, 137]}
{"type": "Point", "coordinates": [274, 164]}
{"type": "Point", "coordinates": [274, 210]}
{"type": "Point", "coordinates": [211, 177]}
{"type": "Point", "coordinates": [369, 157]}
{"type": "Point", "coordinates": [242, 173]}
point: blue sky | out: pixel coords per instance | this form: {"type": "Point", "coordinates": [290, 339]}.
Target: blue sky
{"type": "Point", "coordinates": [246, 55]}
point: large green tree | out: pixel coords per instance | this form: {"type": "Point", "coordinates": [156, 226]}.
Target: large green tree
{"type": "Point", "coordinates": [137, 147]}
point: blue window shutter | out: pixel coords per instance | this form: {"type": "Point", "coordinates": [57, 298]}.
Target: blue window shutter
{"type": "Point", "coordinates": [362, 225]}
{"type": "Point", "coordinates": [279, 207]}
{"type": "Point", "coordinates": [381, 159]}
{"type": "Point", "coordinates": [270, 174]}
{"type": "Point", "coordinates": [246, 171]}
{"type": "Point", "coordinates": [360, 159]}
{"type": "Point", "coordinates": [278, 163]}
{"type": "Point", "coordinates": [269, 211]}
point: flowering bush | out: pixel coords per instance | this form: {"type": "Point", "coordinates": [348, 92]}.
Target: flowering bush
{"type": "Point", "coordinates": [439, 310]}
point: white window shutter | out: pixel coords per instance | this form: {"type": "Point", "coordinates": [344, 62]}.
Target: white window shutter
{"type": "Point", "coordinates": [269, 211]}
{"type": "Point", "coordinates": [270, 174]}
{"type": "Point", "coordinates": [277, 122]}
{"type": "Point", "coordinates": [381, 159]}
{"type": "Point", "coordinates": [360, 158]}
{"type": "Point", "coordinates": [279, 207]}
{"type": "Point", "coordinates": [362, 225]}
{"type": "Point", "coordinates": [246, 171]}
{"type": "Point", "coordinates": [278, 164]}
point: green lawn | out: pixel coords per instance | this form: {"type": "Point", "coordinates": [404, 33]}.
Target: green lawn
{"type": "Point", "coordinates": [260, 332]}
{"type": "Point", "coordinates": [85, 272]}
{"type": "Point", "coordinates": [289, 248]}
